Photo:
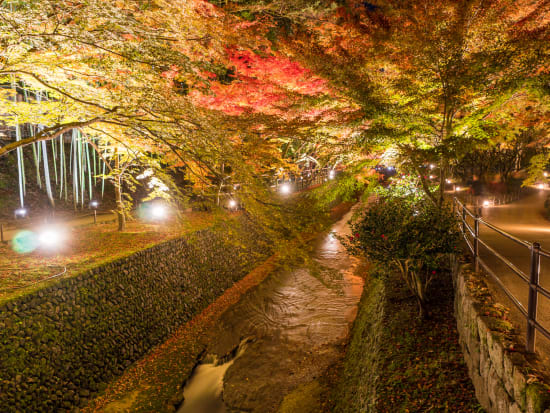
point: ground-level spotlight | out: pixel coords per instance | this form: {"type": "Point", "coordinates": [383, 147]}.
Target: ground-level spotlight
{"type": "Point", "coordinates": [158, 211]}
{"type": "Point", "coordinates": [285, 189]}
{"type": "Point", "coordinates": [486, 203]}
{"type": "Point", "coordinates": [540, 186]}
{"type": "Point", "coordinates": [21, 213]}
{"type": "Point", "coordinates": [232, 204]}
{"type": "Point", "coordinates": [51, 238]}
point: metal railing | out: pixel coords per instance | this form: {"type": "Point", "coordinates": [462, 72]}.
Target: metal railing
{"type": "Point", "coordinates": [306, 179]}
{"type": "Point", "coordinates": [532, 279]}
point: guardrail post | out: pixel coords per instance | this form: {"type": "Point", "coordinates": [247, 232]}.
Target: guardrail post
{"type": "Point", "coordinates": [2, 233]}
{"type": "Point", "coordinates": [533, 297]}
{"type": "Point", "coordinates": [476, 238]}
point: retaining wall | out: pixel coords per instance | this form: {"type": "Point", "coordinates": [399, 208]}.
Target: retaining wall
{"type": "Point", "coordinates": [61, 345]}
{"type": "Point", "coordinates": [498, 372]}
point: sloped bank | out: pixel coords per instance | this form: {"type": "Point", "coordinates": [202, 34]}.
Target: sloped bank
{"type": "Point", "coordinates": [60, 345]}
{"type": "Point", "coordinates": [396, 362]}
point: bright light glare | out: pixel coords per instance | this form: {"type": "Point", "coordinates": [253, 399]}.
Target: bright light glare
{"type": "Point", "coordinates": [158, 212]}
{"type": "Point", "coordinates": [540, 186]}
{"type": "Point", "coordinates": [432, 166]}
{"type": "Point", "coordinates": [448, 181]}
{"type": "Point", "coordinates": [545, 173]}
{"type": "Point", "coordinates": [432, 177]}
{"type": "Point", "coordinates": [285, 189]}
{"type": "Point", "coordinates": [458, 188]}
{"type": "Point", "coordinates": [232, 203]}
{"type": "Point", "coordinates": [24, 242]}
{"type": "Point", "coordinates": [51, 238]}
{"type": "Point", "coordinates": [486, 203]}
{"type": "Point", "coordinates": [331, 175]}
{"type": "Point", "coordinates": [21, 212]}
{"type": "Point", "coordinates": [94, 204]}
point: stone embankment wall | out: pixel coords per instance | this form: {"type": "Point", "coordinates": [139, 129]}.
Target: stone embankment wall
{"type": "Point", "coordinates": [60, 345]}
{"type": "Point", "coordinates": [499, 374]}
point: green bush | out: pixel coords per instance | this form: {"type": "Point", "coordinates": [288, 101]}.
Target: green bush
{"type": "Point", "coordinates": [407, 235]}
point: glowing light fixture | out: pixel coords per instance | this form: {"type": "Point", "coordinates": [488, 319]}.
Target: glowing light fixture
{"type": "Point", "coordinates": [486, 203]}
{"type": "Point", "coordinates": [232, 204]}
{"type": "Point", "coordinates": [458, 188]}
{"type": "Point", "coordinates": [158, 211]}
{"type": "Point", "coordinates": [545, 173]}
{"type": "Point", "coordinates": [94, 204]}
{"type": "Point", "coordinates": [21, 213]}
{"type": "Point", "coordinates": [285, 189]}
{"type": "Point", "coordinates": [540, 186]}
{"type": "Point", "coordinates": [448, 181]}
{"type": "Point", "coordinates": [432, 166]}
{"type": "Point", "coordinates": [51, 238]}
{"type": "Point", "coordinates": [331, 174]}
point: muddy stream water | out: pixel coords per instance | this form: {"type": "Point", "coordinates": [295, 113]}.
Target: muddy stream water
{"type": "Point", "coordinates": [280, 335]}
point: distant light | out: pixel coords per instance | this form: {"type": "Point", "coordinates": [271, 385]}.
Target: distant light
{"type": "Point", "coordinates": [540, 186]}
{"type": "Point", "coordinates": [458, 188]}
{"type": "Point", "coordinates": [232, 203]}
{"type": "Point", "coordinates": [448, 181]}
{"type": "Point", "coordinates": [21, 213]}
{"type": "Point", "coordinates": [285, 189]}
{"type": "Point", "coordinates": [331, 175]}
{"type": "Point", "coordinates": [545, 173]}
{"type": "Point", "coordinates": [486, 203]}
{"type": "Point", "coordinates": [94, 204]}
{"type": "Point", "coordinates": [51, 238]}
{"type": "Point", "coordinates": [432, 177]}
{"type": "Point", "coordinates": [158, 212]}
{"type": "Point", "coordinates": [432, 166]}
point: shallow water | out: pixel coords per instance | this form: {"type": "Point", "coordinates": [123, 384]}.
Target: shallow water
{"type": "Point", "coordinates": [297, 321]}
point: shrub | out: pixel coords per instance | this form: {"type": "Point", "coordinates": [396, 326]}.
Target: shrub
{"type": "Point", "coordinates": [408, 235]}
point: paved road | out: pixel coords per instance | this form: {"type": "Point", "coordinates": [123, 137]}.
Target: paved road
{"type": "Point", "coordinates": [10, 232]}
{"type": "Point", "coordinates": [524, 219]}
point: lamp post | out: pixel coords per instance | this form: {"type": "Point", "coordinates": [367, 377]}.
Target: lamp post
{"type": "Point", "coordinates": [21, 213]}
{"type": "Point", "coordinates": [94, 205]}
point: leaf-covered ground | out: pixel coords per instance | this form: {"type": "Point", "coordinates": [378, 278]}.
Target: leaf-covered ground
{"type": "Point", "coordinates": [422, 368]}
{"type": "Point", "coordinates": [85, 248]}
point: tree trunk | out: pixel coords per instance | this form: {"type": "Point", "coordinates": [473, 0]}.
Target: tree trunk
{"type": "Point", "coordinates": [121, 218]}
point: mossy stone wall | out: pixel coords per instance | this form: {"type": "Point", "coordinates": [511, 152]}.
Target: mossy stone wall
{"type": "Point", "coordinates": [59, 346]}
{"type": "Point", "coordinates": [498, 374]}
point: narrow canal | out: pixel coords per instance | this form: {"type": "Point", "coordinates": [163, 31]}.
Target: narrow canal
{"type": "Point", "coordinates": [283, 334]}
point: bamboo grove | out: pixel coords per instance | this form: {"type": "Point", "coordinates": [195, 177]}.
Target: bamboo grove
{"type": "Point", "coordinates": [233, 91]}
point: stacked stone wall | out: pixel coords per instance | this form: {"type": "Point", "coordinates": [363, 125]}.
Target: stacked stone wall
{"type": "Point", "coordinates": [59, 346]}
{"type": "Point", "coordinates": [498, 374]}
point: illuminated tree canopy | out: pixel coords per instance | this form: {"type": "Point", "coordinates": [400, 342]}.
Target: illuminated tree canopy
{"type": "Point", "coordinates": [259, 85]}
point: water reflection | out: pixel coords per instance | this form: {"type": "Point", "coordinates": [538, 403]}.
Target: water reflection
{"type": "Point", "coordinates": [298, 319]}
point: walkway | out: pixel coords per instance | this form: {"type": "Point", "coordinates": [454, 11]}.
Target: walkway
{"type": "Point", "coordinates": [524, 219]}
